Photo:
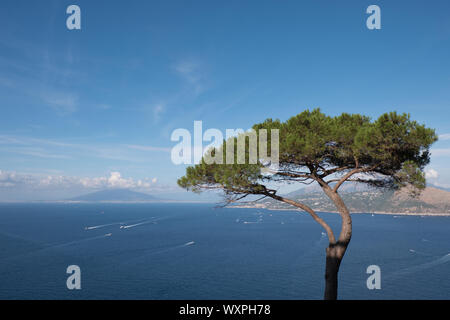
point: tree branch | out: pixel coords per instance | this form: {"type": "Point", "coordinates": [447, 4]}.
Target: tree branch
{"type": "Point", "coordinates": [349, 174]}
{"type": "Point", "coordinates": [311, 212]}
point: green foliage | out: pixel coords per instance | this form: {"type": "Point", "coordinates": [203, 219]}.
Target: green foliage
{"type": "Point", "coordinates": [243, 177]}
{"type": "Point", "coordinates": [391, 151]}
{"type": "Point", "coordinates": [393, 140]}
{"type": "Point", "coordinates": [411, 175]}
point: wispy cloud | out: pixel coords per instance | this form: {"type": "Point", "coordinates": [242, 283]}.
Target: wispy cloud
{"type": "Point", "coordinates": [158, 110]}
{"type": "Point", "coordinates": [148, 148]}
{"type": "Point", "coordinates": [57, 149]}
{"type": "Point", "coordinates": [194, 82]}
{"type": "Point", "coordinates": [440, 152]}
{"type": "Point", "coordinates": [21, 140]}
{"type": "Point", "coordinates": [63, 103]}
{"type": "Point", "coordinates": [35, 152]}
{"type": "Point", "coordinates": [445, 136]}
{"type": "Point", "coordinates": [193, 73]}
{"type": "Point", "coordinates": [103, 106]}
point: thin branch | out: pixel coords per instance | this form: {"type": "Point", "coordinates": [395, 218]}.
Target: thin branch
{"type": "Point", "coordinates": [349, 174]}
{"type": "Point", "coordinates": [304, 207]}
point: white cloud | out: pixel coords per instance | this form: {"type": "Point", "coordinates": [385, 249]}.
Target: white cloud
{"type": "Point", "coordinates": [431, 174]}
{"type": "Point", "coordinates": [115, 180]}
{"type": "Point", "coordinates": [445, 136]}
{"type": "Point", "coordinates": [13, 179]}
{"type": "Point", "coordinates": [6, 179]}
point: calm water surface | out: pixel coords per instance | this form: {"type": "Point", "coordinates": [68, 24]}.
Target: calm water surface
{"type": "Point", "coordinates": [192, 251]}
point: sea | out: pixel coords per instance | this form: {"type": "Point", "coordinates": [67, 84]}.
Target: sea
{"type": "Point", "coordinates": [202, 251]}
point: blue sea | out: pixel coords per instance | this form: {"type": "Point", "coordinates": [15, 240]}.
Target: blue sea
{"type": "Point", "coordinates": [197, 251]}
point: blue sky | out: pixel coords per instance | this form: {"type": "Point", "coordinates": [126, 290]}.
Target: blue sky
{"type": "Point", "coordinates": [93, 108]}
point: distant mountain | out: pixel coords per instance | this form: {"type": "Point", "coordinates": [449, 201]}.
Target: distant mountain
{"type": "Point", "coordinates": [347, 187]}
{"type": "Point", "coordinates": [439, 187]}
{"type": "Point", "coordinates": [368, 200]}
{"type": "Point", "coordinates": [115, 195]}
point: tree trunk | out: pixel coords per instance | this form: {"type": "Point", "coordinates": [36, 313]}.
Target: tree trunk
{"type": "Point", "coordinates": [333, 261]}
{"type": "Point", "coordinates": [335, 251]}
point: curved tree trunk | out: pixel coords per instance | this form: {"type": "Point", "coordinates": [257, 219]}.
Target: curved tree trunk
{"type": "Point", "coordinates": [336, 251]}
{"type": "Point", "coordinates": [333, 261]}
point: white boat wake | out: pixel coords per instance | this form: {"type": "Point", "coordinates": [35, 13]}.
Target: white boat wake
{"type": "Point", "coordinates": [420, 253]}
{"type": "Point", "coordinates": [130, 226]}
{"type": "Point", "coordinates": [123, 224]}
{"type": "Point", "coordinates": [137, 224]}
{"type": "Point", "coordinates": [102, 226]}
{"type": "Point", "coordinates": [78, 241]}
{"type": "Point", "coordinates": [151, 253]}
{"type": "Point", "coordinates": [57, 246]}
{"type": "Point", "coordinates": [420, 267]}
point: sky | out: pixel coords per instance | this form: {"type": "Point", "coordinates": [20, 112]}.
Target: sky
{"type": "Point", "coordinates": [83, 110]}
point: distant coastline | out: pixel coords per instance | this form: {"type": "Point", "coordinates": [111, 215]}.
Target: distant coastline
{"type": "Point", "coordinates": [428, 214]}
{"type": "Point", "coordinates": [105, 201]}
{"type": "Point", "coordinates": [432, 201]}
{"type": "Point", "coordinates": [243, 206]}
